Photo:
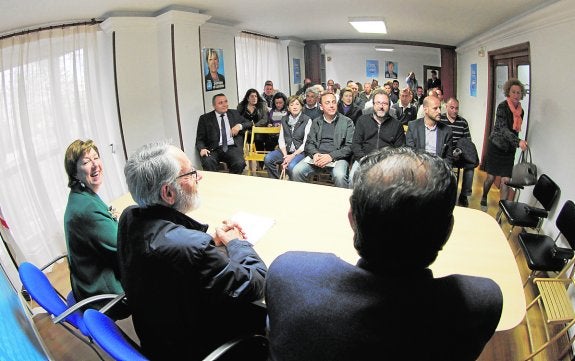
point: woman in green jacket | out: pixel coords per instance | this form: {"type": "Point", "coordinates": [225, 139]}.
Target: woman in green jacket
{"type": "Point", "coordinates": [90, 226]}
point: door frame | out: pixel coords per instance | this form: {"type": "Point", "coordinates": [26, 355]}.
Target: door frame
{"type": "Point", "coordinates": [511, 52]}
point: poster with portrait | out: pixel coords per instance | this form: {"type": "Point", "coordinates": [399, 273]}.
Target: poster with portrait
{"type": "Point", "coordinates": [371, 69]}
{"type": "Point", "coordinates": [213, 60]}
{"type": "Point", "coordinates": [391, 69]}
{"type": "Point", "coordinates": [296, 71]}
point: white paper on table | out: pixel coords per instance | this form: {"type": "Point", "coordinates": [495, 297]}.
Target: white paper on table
{"type": "Point", "coordinates": [254, 226]}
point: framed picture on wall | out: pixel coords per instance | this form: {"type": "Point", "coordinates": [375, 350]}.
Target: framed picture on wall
{"type": "Point", "coordinates": [213, 69]}
{"type": "Point", "coordinates": [371, 68]}
{"type": "Point", "coordinates": [432, 77]}
{"type": "Point", "coordinates": [391, 69]}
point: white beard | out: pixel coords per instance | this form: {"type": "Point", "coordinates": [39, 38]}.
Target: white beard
{"type": "Point", "coordinates": [186, 202]}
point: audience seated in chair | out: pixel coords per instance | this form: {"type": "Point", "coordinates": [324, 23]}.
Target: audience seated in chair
{"type": "Point", "coordinates": [438, 141]}
{"type": "Point", "coordinates": [311, 107]}
{"type": "Point", "coordinates": [269, 142]}
{"type": "Point", "coordinates": [460, 129]}
{"type": "Point", "coordinates": [189, 291]}
{"type": "Point", "coordinates": [328, 147]}
{"type": "Point", "coordinates": [294, 129]}
{"type": "Point", "coordinates": [374, 131]}
{"type": "Point", "coordinates": [404, 110]}
{"type": "Point", "coordinates": [212, 127]}
{"type": "Point", "coordinates": [322, 308]}
{"type": "Point", "coordinates": [347, 107]}
{"type": "Point", "coordinates": [253, 107]}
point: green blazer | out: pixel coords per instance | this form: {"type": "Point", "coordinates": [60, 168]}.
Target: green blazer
{"type": "Point", "coordinates": [91, 234]}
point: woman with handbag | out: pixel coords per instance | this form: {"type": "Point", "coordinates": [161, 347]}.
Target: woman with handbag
{"type": "Point", "coordinates": [504, 139]}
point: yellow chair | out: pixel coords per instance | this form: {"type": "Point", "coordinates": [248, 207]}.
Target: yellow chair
{"type": "Point", "coordinates": [251, 153]}
{"type": "Point", "coordinates": [556, 309]}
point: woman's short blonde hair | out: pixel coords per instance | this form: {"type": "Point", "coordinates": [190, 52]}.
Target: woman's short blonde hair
{"type": "Point", "coordinates": [511, 82]}
{"type": "Point", "coordinates": [75, 151]}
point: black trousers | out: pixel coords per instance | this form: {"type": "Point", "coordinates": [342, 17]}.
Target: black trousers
{"type": "Point", "coordinates": [234, 158]}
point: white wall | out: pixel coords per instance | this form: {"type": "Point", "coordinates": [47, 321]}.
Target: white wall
{"type": "Point", "coordinates": [549, 32]}
{"type": "Point", "coordinates": [348, 62]}
{"type": "Point", "coordinates": [295, 51]}
{"type": "Point", "coordinates": [137, 67]}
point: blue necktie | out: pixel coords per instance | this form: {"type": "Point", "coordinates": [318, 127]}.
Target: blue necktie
{"type": "Point", "coordinates": [224, 134]}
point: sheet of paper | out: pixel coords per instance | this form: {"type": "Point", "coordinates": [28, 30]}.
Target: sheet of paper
{"type": "Point", "coordinates": [254, 226]}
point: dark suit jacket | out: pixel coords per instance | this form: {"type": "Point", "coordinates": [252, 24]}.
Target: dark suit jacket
{"type": "Point", "coordinates": [415, 138]}
{"type": "Point", "coordinates": [322, 308]}
{"type": "Point", "coordinates": [407, 115]}
{"type": "Point", "coordinates": [208, 133]}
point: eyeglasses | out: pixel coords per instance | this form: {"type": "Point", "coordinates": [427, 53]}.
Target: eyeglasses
{"type": "Point", "coordinates": [193, 173]}
{"type": "Point", "coordinates": [380, 103]}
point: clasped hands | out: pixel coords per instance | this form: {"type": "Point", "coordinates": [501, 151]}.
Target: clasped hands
{"type": "Point", "coordinates": [321, 160]}
{"type": "Point", "coordinates": [228, 231]}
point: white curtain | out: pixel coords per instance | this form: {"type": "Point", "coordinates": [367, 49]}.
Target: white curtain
{"type": "Point", "coordinates": [51, 93]}
{"type": "Point", "coordinates": [259, 59]}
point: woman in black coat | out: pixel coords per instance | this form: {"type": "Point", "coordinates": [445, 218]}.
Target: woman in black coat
{"type": "Point", "coordinates": [346, 106]}
{"type": "Point", "coordinates": [504, 140]}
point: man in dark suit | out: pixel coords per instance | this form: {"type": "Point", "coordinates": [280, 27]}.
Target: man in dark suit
{"type": "Point", "coordinates": [434, 81]}
{"type": "Point", "coordinates": [405, 111]}
{"type": "Point", "coordinates": [219, 137]}
{"type": "Point", "coordinates": [401, 211]}
{"type": "Point", "coordinates": [429, 134]}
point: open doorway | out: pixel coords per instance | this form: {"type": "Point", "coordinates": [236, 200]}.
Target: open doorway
{"type": "Point", "coordinates": [506, 63]}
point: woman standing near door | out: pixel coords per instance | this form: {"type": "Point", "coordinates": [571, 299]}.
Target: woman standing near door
{"type": "Point", "coordinates": [504, 139]}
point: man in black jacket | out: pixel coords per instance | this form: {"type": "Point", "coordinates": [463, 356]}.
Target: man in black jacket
{"type": "Point", "coordinates": [189, 291]}
{"type": "Point", "coordinates": [429, 134]}
{"type": "Point", "coordinates": [219, 137]}
{"type": "Point", "coordinates": [460, 129]}
{"type": "Point", "coordinates": [375, 131]}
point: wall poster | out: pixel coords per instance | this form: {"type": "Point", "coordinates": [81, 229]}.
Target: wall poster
{"type": "Point", "coordinates": [213, 69]}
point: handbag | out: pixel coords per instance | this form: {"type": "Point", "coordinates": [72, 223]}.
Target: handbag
{"type": "Point", "coordinates": [524, 172]}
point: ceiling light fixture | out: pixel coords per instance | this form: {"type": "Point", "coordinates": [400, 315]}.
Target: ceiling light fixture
{"type": "Point", "coordinates": [373, 25]}
{"type": "Point", "coordinates": [384, 48]}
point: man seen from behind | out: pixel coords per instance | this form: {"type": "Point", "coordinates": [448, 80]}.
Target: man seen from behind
{"type": "Point", "coordinates": [401, 212]}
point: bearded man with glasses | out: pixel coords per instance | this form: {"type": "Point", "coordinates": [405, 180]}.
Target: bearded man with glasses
{"type": "Point", "coordinates": [189, 291]}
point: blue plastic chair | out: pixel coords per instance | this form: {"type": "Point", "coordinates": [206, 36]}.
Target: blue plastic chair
{"type": "Point", "coordinates": [65, 312]}
{"type": "Point", "coordinates": [110, 338]}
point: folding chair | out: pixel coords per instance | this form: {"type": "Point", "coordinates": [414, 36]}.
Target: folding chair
{"type": "Point", "coordinates": [541, 251]}
{"type": "Point", "coordinates": [526, 216]}
{"type": "Point", "coordinates": [251, 153]}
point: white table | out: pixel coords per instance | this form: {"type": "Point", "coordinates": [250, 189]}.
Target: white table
{"type": "Point", "coordinates": [310, 217]}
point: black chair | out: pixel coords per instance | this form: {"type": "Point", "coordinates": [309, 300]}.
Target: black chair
{"type": "Point", "coordinates": [523, 215]}
{"type": "Point", "coordinates": [541, 251]}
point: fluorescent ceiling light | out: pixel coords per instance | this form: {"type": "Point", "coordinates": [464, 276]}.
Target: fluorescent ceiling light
{"type": "Point", "coordinates": [369, 25]}
{"type": "Point", "coordinates": [384, 48]}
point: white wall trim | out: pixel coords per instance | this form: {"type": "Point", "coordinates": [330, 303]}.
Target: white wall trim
{"type": "Point", "coordinates": [182, 17]}
{"type": "Point", "coordinates": [223, 29]}
{"type": "Point", "coordinates": [129, 23]}
{"type": "Point", "coordinates": [538, 19]}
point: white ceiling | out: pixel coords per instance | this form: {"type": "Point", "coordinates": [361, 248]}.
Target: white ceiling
{"type": "Point", "coordinates": [448, 22]}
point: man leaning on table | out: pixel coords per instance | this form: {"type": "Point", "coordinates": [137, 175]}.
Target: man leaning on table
{"type": "Point", "coordinates": [389, 304]}
{"type": "Point", "coordinates": [189, 291]}
{"type": "Point", "coordinates": [219, 136]}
